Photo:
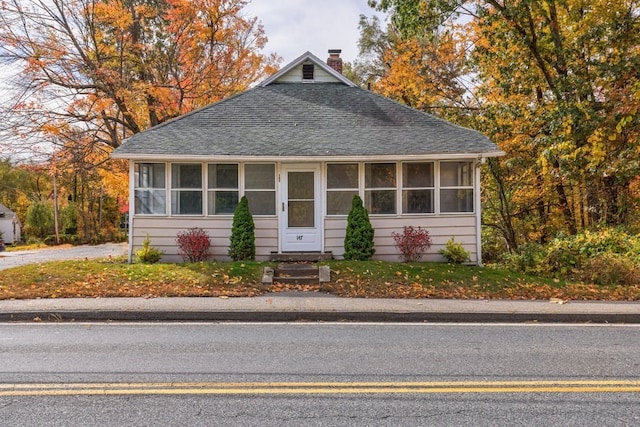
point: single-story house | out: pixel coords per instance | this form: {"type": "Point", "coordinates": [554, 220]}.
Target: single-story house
{"type": "Point", "coordinates": [10, 227]}
{"type": "Point", "coordinates": [300, 145]}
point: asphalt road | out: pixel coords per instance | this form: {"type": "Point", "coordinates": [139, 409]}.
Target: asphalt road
{"type": "Point", "coordinates": [176, 374]}
{"type": "Point", "coordinates": [18, 258]}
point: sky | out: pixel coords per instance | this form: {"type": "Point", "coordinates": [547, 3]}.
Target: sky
{"type": "Point", "coordinates": [296, 26]}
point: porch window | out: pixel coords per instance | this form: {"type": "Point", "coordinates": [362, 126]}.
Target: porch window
{"type": "Point", "coordinates": [222, 189]}
{"type": "Point", "coordinates": [260, 188]}
{"type": "Point", "coordinates": [150, 190]}
{"type": "Point", "coordinates": [380, 188]}
{"type": "Point", "coordinates": [456, 186]}
{"type": "Point", "coordinates": [342, 185]}
{"type": "Point", "coordinates": [418, 187]}
{"type": "Point", "coordinates": [186, 189]}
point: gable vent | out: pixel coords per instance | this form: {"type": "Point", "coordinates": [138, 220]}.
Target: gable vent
{"type": "Point", "coordinates": [307, 71]}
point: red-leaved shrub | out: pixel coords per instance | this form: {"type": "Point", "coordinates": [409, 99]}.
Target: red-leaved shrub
{"type": "Point", "coordinates": [194, 245]}
{"type": "Point", "coordinates": [412, 243]}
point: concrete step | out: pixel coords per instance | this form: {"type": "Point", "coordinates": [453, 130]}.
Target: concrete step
{"type": "Point", "coordinates": [297, 273]}
{"type": "Point", "coordinates": [301, 256]}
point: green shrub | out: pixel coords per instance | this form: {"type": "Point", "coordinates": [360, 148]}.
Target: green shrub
{"type": "Point", "coordinates": [148, 254]}
{"type": "Point", "coordinates": [526, 260]}
{"type": "Point", "coordinates": [194, 245]}
{"type": "Point", "coordinates": [454, 252]}
{"type": "Point", "coordinates": [358, 241]}
{"type": "Point", "coordinates": [39, 220]}
{"type": "Point", "coordinates": [242, 246]}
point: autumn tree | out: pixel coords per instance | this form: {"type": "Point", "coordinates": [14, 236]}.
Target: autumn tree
{"type": "Point", "coordinates": [556, 86]}
{"type": "Point", "coordinates": [111, 68]}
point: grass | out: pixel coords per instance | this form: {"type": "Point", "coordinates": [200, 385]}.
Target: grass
{"type": "Point", "coordinates": [370, 279]}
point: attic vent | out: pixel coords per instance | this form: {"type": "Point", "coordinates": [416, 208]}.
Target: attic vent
{"type": "Point", "coordinates": [307, 71]}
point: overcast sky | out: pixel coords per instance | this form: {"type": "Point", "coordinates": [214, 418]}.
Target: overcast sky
{"type": "Point", "coordinates": [296, 26]}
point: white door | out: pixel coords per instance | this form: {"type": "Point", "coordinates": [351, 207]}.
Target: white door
{"type": "Point", "coordinates": [301, 211]}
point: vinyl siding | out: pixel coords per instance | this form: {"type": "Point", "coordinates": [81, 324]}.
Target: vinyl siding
{"type": "Point", "coordinates": [163, 231]}
{"type": "Point", "coordinates": [440, 228]}
{"type": "Point", "coordinates": [319, 76]}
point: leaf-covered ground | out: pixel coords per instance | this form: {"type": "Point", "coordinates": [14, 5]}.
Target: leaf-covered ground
{"type": "Point", "coordinates": [372, 279]}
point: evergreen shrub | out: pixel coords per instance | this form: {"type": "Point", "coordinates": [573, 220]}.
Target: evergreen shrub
{"type": "Point", "coordinates": [242, 246]}
{"type": "Point", "coordinates": [358, 241]}
{"type": "Point", "coordinates": [454, 252]}
{"type": "Point", "coordinates": [148, 254]}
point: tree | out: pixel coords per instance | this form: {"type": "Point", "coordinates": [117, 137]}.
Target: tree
{"type": "Point", "coordinates": [242, 246]}
{"type": "Point", "coordinates": [358, 240]}
{"type": "Point", "coordinates": [556, 85]}
{"type": "Point", "coordinates": [39, 220]}
{"type": "Point", "coordinates": [111, 68]}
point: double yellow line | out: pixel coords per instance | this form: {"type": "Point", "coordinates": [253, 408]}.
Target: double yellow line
{"type": "Point", "coordinates": [318, 388]}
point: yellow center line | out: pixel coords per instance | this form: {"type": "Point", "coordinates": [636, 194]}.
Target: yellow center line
{"type": "Point", "coordinates": [288, 388]}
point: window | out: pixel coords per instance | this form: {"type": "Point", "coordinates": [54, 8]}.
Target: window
{"type": "Point", "coordinates": [260, 188]}
{"type": "Point", "coordinates": [417, 188]}
{"type": "Point", "coordinates": [380, 188]}
{"type": "Point", "coordinates": [307, 71]}
{"type": "Point", "coordinates": [186, 189]}
{"type": "Point", "coordinates": [222, 189]}
{"type": "Point", "coordinates": [150, 190]}
{"type": "Point", "coordinates": [342, 185]}
{"type": "Point", "coordinates": [456, 186]}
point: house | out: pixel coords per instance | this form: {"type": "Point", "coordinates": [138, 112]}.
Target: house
{"type": "Point", "coordinates": [10, 227]}
{"type": "Point", "coordinates": [300, 145]}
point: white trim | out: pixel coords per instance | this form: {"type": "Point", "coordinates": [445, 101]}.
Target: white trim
{"type": "Point", "coordinates": [132, 207]}
{"type": "Point", "coordinates": [478, 209]}
{"type": "Point", "coordinates": [299, 159]}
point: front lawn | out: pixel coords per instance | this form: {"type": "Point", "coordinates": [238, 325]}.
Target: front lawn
{"type": "Point", "coordinates": [369, 279]}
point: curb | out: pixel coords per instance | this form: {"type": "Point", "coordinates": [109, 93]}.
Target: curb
{"type": "Point", "coordinates": [313, 316]}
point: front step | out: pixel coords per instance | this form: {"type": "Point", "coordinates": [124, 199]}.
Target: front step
{"type": "Point", "coordinates": [298, 273]}
{"type": "Point", "coordinates": [301, 256]}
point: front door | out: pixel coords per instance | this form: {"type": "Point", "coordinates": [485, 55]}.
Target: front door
{"type": "Point", "coordinates": [301, 213]}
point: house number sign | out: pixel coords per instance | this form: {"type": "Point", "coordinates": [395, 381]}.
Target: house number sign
{"type": "Point", "coordinates": [299, 237]}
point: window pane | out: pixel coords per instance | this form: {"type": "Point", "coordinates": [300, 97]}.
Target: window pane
{"type": "Point", "coordinates": [342, 176]}
{"type": "Point", "coordinates": [223, 176]}
{"type": "Point", "coordinates": [300, 185]}
{"type": "Point", "coordinates": [222, 202]}
{"type": "Point", "coordinates": [186, 175]}
{"type": "Point", "coordinates": [456, 174]}
{"type": "Point", "coordinates": [150, 175]}
{"type": "Point", "coordinates": [380, 201]}
{"type": "Point", "coordinates": [380, 175]}
{"type": "Point", "coordinates": [452, 200]}
{"type": "Point", "coordinates": [261, 202]}
{"type": "Point", "coordinates": [301, 214]}
{"type": "Point", "coordinates": [150, 202]}
{"type": "Point", "coordinates": [258, 177]}
{"type": "Point", "coordinates": [339, 202]}
{"type": "Point", "coordinates": [417, 175]}
{"type": "Point", "coordinates": [417, 201]}
{"type": "Point", "coordinates": [186, 202]}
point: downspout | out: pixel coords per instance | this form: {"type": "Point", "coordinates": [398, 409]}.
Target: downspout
{"type": "Point", "coordinates": [478, 203]}
{"type": "Point", "coordinates": [132, 197]}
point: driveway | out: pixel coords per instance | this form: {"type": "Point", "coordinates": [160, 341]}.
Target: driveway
{"type": "Point", "coordinates": [34, 256]}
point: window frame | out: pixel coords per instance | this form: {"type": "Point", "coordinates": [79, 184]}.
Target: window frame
{"type": "Point", "coordinates": [174, 190]}
{"type": "Point", "coordinates": [273, 190]}
{"type": "Point", "coordinates": [378, 189]}
{"type": "Point", "coordinates": [149, 189]}
{"type": "Point", "coordinates": [468, 187]}
{"type": "Point", "coordinates": [404, 187]}
{"type": "Point", "coordinates": [356, 189]}
{"type": "Point", "coordinates": [210, 191]}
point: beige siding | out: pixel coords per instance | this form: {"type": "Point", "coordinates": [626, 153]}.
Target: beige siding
{"type": "Point", "coordinates": [440, 228]}
{"type": "Point", "coordinates": [295, 76]}
{"type": "Point", "coordinates": [162, 231]}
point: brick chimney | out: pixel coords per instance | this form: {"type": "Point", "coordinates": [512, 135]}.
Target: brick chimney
{"type": "Point", "coordinates": [334, 61]}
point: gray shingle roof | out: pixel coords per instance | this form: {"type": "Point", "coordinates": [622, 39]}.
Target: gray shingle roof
{"type": "Point", "coordinates": [306, 119]}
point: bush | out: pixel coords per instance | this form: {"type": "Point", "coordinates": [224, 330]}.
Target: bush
{"type": "Point", "coordinates": [358, 240]}
{"type": "Point", "coordinates": [412, 243]}
{"type": "Point", "coordinates": [63, 239]}
{"type": "Point", "coordinates": [193, 245]}
{"type": "Point", "coordinates": [148, 254]}
{"type": "Point", "coordinates": [454, 252]}
{"type": "Point", "coordinates": [242, 246]}
{"type": "Point", "coordinates": [610, 269]}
